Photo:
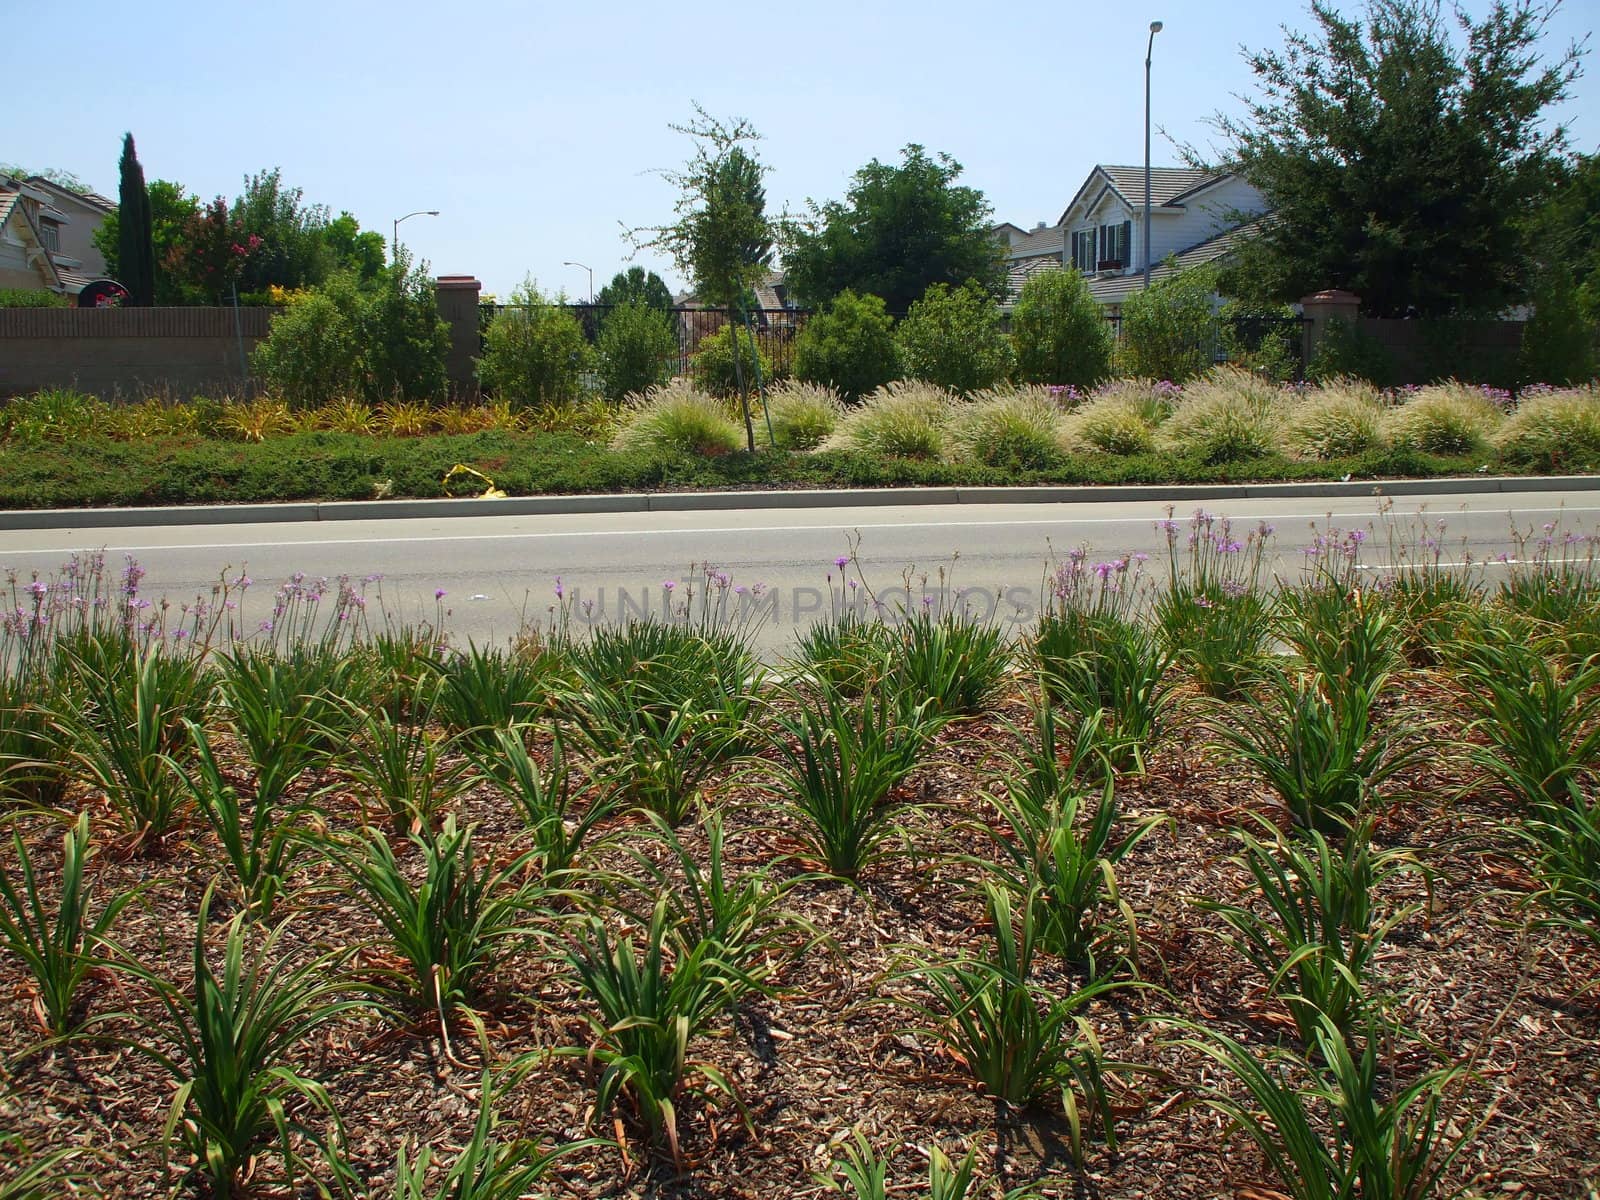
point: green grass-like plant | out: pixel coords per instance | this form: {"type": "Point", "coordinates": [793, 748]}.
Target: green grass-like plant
{"type": "Point", "coordinates": [482, 692]}
{"type": "Point", "coordinates": [1350, 1129]}
{"type": "Point", "coordinates": [1339, 418]}
{"type": "Point", "coordinates": [1111, 424]}
{"type": "Point", "coordinates": [1021, 1039]}
{"type": "Point", "coordinates": [402, 766]}
{"type": "Point", "coordinates": [1313, 927]}
{"type": "Point", "coordinates": [545, 799]}
{"type": "Point", "coordinates": [1346, 638]}
{"type": "Point", "coordinates": [120, 726]}
{"type": "Point", "coordinates": [803, 415]}
{"type": "Point", "coordinates": [954, 659]}
{"type": "Point", "coordinates": [848, 652]}
{"type": "Point", "coordinates": [1229, 416]}
{"type": "Point", "coordinates": [1113, 666]}
{"type": "Point", "coordinates": [1556, 431]}
{"type": "Point", "coordinates": [649, 1003]}
{"type": "Point", "coordinates": [58, 944]}
{"type": "Point", "coordinates": [261, 844]}
{"type": "Point", "coordinates": [227, 1042]}
{"type": "Point", "coordinates": [1318, 752]}
{"type": "Point", "coordinates": [864, 1174]}
{"type": "Point", "coordinates": [1445, 418]}
{"type": "Point", "coordinates": [450, 926]}
{"type": "Point", "coordinates": [835, 761]}
{"type": "Point", "coordinates": [486, 1167]}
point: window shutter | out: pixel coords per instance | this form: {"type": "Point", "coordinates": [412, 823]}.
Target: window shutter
{"type": "Point", "coordinates": [1127, 245]}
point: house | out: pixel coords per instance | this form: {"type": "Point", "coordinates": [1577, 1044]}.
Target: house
{"type": "Point", "coordinates": [1195, 218]}
{"type": "Point", "coordinates": [47, 235]}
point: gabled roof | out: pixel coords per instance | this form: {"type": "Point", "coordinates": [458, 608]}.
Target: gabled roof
{"type": "Point", "coordinates": [14, 212]}
{"type": "Point", "coordinates": [1169, 186]}
{"type": "Point", "coordinates": [91, 199]}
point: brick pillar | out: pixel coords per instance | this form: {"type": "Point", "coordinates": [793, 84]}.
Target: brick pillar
{"type": "Point", "coordinates": [457, 297]}
{"type": "Point", "coordinates": [1322, 307]}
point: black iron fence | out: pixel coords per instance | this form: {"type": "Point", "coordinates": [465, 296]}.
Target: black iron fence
{"type": "Point", "coordinates": [773, 329]}
{"type": "Point", "coordinates": [1271, 342]}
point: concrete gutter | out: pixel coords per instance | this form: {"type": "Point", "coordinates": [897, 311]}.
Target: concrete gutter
{"type": "Point", "coordinates": [523, 506]}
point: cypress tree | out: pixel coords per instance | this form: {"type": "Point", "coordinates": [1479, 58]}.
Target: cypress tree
{"type": "Point", "coordinates": [136, 255]}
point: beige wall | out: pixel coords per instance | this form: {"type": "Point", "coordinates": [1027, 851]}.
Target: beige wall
{"type": "Point", "coordinates": [127, 352]}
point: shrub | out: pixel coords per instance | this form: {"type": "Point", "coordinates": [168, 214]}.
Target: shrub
{"type": "Point", "coordinates": [382, 342]}
{"type": "Point", "coordinates": [1348, 351]}
{"type": "Point", "coordinates": [899, 420]}
{"type": "Point", "coordinates": [1170, 331]}
{"type": "Point", "coordinates": [1017, 428]}
{"type": "Point", "coordinates": [403, 339]}
{"type": "Point", "coordinates": [803, 415]}
{"type": "Point", "coordinates": [952, 337]}
{"type": "Point", "coordinates": [678, 419]}
{"type": "Point", "coordinates": [1340, 418]}
{"type": "Point", "coordinates": [1445, 418]}
{"type": "Point", "coordinates": [29, 298]}
{"type": "Point", "coordinates": [849, 345]}
{"type": "Point", "coordinates": [1228, 416]}
{"type": "Point", "coordinates": [1110, 425]}
{"type": "Point", "coordinates": [1558, 343]}
{"type": "Point", "coordinates": [1553, 431]}
{"type": "Point", "coordinates": [311, 355]}
{"type": "Point", "coordinates": [712, 365]}
{"type": "Point", "coordinates": [534, 352]}
{"type": "Point", "coordinates": [1060, 332]}
{"type": "Point", "coordinates": [636, 350]}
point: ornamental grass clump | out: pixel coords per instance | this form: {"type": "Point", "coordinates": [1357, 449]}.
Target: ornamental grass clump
{"type": "Point", "coordinates": [1338, 418]}
{"type": "Point", "coordinates": [1121, 417]}
{"type": "Point", "coordinates": [1015, 428]}
{"type": "Point", "coordinates": [803, 415]}
{"type": "Point", "coordinates": [899, 420]}
{"type": "Point", "coordinates": [954, 659]}
{"type": "Point", "coordinates": [1228, 416]}
{"type": "Point", "coordinates": [1556, 430]}
{"type": "Point", "coordinates": [677, 419]}
{"type": "Point", "coordinates": [1447, 419]}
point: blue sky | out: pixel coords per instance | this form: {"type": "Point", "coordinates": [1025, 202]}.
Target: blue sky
{"type": "Point", "coordinates": [536, 129]}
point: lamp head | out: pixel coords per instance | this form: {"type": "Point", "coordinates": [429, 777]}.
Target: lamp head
{"type": "Point", "coordinates": [1155, 26]}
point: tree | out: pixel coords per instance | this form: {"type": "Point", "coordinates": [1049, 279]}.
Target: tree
{"type": "Point", "coordinates": [171, 210]}
{"type": "Point", "coordinates": [899, 230]}
{"type": "Point", "coordinates": [1061, 335]}
{"type": "Point", "coordinates": [1396, 163]}
{"type": "Point", "coordinates": [136, 256]}
{"type": "Point", "coordinates": [213, 252]}
{"type": "Point", "coordinates": [353, 249]}
{"type": "Point", "coordinates": [849, 345]}
{"type": "Point", "coordinates": [722, 239]}
{"type": "Point", "coordinates": [635, 286]}
{"type": "Point", "coordinates": [293, 252]}
{"type": "Point", "coordinates": [57, 176]}
{"type": "Point", "coordinates": [952, 337]}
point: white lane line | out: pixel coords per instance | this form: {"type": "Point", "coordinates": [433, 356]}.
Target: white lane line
{"type": "Point", "coordinates": [846, 526]}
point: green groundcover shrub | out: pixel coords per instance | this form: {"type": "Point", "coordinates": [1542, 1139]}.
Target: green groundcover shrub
{"type": "Point", "coordinates": [849, 346]}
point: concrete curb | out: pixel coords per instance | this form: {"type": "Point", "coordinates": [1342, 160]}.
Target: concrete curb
{"type": "Point", "coordinates": [526, 506]}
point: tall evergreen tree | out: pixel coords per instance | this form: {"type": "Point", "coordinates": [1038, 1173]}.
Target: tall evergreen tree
{"type": "Point", "coordinates": [136, 254]}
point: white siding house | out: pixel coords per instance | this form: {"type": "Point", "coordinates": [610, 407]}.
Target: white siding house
{"type": "Point", "coordinates": [1196, 216]}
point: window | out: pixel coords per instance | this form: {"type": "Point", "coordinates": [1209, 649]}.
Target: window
{"type": "Point", "coordinates": [50, 236]}
{"type": "Point", "coordinates": [1115, 246]}
{"type": "Point", "coordinates": [1084, 251]}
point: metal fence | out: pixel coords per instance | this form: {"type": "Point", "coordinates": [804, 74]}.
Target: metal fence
{"type": "Point", "coordinates": [774, 329]}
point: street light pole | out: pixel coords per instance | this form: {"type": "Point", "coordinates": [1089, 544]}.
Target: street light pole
{"type": "Point", "coordinates": [1155, 28]}
{"type": "Point", "coordinates": [591, 279]}
{"type": "Point", "coordinates": [394, 241]}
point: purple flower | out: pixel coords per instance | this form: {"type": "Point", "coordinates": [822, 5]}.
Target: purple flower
{"type": "Point", "coordinates": [842, 561]}
{"type": "Point", "coordinates": [438, 593]}
{"type": "Point", "coordinates": [559, 592]}
{"type": "Point", "coordinates": [667, 585]}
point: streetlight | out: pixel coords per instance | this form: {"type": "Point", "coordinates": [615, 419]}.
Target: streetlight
{"type": "Point", "coordinates": [394, 242]}
{"type": "Point", "coordinates": [591, 279]}
{"type": "Point", "coordinates": [1155, 28]}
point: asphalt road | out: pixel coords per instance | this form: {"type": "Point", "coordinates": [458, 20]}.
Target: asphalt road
{"type": "Point", "coordinates": [498, 572]}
